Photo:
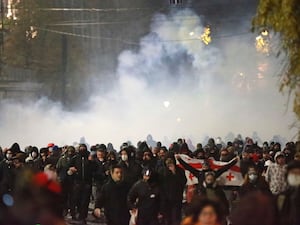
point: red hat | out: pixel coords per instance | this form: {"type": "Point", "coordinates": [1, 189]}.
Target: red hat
{"type": "Point", "coordinates": [50, 145]}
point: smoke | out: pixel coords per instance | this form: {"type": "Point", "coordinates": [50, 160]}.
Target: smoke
{"type": "Point", "coordinates": [172, 86]}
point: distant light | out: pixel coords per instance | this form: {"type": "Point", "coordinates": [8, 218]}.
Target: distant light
{"type": "Point", "coordinates": [265, 33]}
{"type": "Point", "coordinates": [241, 74]}
{"type": "Point", "coordinates": [262, 43]}
{"type": "Point", "coordinates": [167, 104]}
{"type": "Point", "coordinates": [205, 37]}
{"type": "Point", "coordinates": [8, 200]}
{"type": "Point", "coordinates": [178, 119]}
{"type": "Point", "coordinates": [192, 33]}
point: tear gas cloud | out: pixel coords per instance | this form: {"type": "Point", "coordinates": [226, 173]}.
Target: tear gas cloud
{"type": "Point", "coordinates": [170, 87]}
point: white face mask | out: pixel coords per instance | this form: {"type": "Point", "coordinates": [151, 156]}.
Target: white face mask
{"type": "Point", "coordinates": [124, 157]}
{"type": "Point", "coordinates": [9, 156]}
{"type": "Point", "coordinates": [253, 177]}
{"type": "Point", "coordinates": [33, 154]}
{"type": "Point", "coordinates": [293, 180]}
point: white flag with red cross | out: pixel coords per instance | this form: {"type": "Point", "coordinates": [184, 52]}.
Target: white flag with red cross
{"type": "Point", "coordinates": [231, 177]}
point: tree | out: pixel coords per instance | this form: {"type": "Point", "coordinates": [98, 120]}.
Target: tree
{"type": "Point", "coordinates": [52, 54]}
{"type": "Point", "coordinates": [283, 18]}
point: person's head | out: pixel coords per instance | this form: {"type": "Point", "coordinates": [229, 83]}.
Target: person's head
{"type": "Point", "coordinates": [200, 154]}
{"type": "Point", "coordinates": [205, 211]}
{"type": "Point", "coordinates": [34, 152]}
{"type": "Point", "coordinates": [293, 174]}
{"type": "Point", "coordinates": [146, 174]}
{"type": "Point", "coordinates": [297, 156]}
{"type": "Point", "coordinates": [111, 156]}
{"type": "Point", "coordinates": [252, 174]}
{"type": "Point", "coordinates": [245, 155]}
{"type": "Point", "coordinates": [124, 155]}
{"type": "Point", "coordinates": [255, 208]}
{"type": "Point", "coordinates": [9, 155]}
{"type": "Point", "coordinates": [206, 165]}
{"type": "Point", "coordinates": [162, 153]}
{"type": "Point", "coordinates": [147, 156]}
{"type": "Point", "coordinates": [44, 153]}
{"type": "Point", "coordinates": [199, 146]}
{"type": "Point", "coordinates": [158, 144]}
{"type": "Point", "coordinates": [224, 155]}
{"type": "Point", "coordinates": [100, 154]}
{"type": "Point", "coordinates": [19, 160]}
{"type": "Point", "coordinates": [170, 164]}
{"type": "Point", "coordinates": [210, 178]}
{"type": "Point", "coordinates": [82, 148]}
{"type": "Point", "coordinates": [180, 141]}
{"type": "Point", "coordinates": [279, 158]}
{"type": "Point", "coordinates": [116, 173]}
{"type": "Point", "coordinates": [277, 147]}
{"type": "Point", "coordinates": [155, 150]}
{"type": "Point", "coordinates": [70, 151]}
{"type": "Point", "coordinates": [266, 155]}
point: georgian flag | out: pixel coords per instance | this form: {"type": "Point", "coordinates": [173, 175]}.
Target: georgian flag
{"type": "Point", "coordinates": [232, 177]}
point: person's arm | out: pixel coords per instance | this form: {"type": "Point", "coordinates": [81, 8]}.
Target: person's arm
{"type": "Point", "coordinates": [195, 172]}
{"type": "Point", "coordinates": [100, 202]}
{"type": "Point", "coordinates": [132, 197]}
{"type": "Point", "coordinates": [182, 177]}
{"type": "Point", "coordinates": [268, 174]}
{"type": "Point", "coordinates": [223, 169]}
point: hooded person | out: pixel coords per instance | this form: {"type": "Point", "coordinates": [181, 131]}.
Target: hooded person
{"type": "Point", "coordinates": [81, 170]}
{"type": "Point", "coordinates": [15, 148]}
{"type": "Point", "coordinates": [148, 161]}
{"type": "Point", "coordinates": [33, 154]}
{"type": "Point", "coordinates": [174, 176]}
{"type": "Point", "coordinates": [276, 174]}
{"type": "Point", "coordinates": [66, 181]}
{"type": "Point", "coordinates": [7, 173]}
{"type": "Point", "coordinates": [54, 155]}
{"type": "Point", "coordinates": [199, 153]}
{"type": "Point", "coordinates": [146, 198]}
{"type": "Point", "coordinates": [289, 201]}
{"type": "Point", "coordinates": [131, 169]}
{"type": "Point", "coordinates": [211, 190]}
{"type": "Point", "coordinates": [184, 149]}
{"type": "Point", "coordinates": [40, 162]}
{"type": "Point", "coordinates": [254, 182]}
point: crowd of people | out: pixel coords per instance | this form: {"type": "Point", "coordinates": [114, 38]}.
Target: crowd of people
{"type": "Point", "coordinates": [146, 185]}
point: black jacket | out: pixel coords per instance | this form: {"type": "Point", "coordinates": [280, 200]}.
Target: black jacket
{"type": "Point", "coordinates": [147, 198]}
{"type": "Point", "coordinates": [259, 186]}
{"type": "Point", "coordinates": [289, 212]}
{"type": "Point", "coordinates": [132, 172]}
{"type": "Point", "coordinates": [85, 168]}
{"type": "Point", "coordinates": [7, 176]}
{"type": "Point", "coordinates": [173, 186]}
{"type": "Point", "coordinates": [219, 195]}
{"type": "Point", "coordinates": [113, 198]}
{"type": "Point", "coordinates": [100, 176]}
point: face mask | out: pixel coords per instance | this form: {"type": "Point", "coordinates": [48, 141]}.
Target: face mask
{"type": "Point", "coordinates": [124, 157]}
{"type": "Point", "coordinates": [293, 180]}
{"type": "Point", "coordinates": [9, 156]}
{"type": "Point", "coordinates": [33, 154]}
{"type": "Point", "coordinates": [252, 177]}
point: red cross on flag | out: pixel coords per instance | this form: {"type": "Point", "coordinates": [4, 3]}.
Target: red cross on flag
{"type": "Point", "coordinates": [232, 177]}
